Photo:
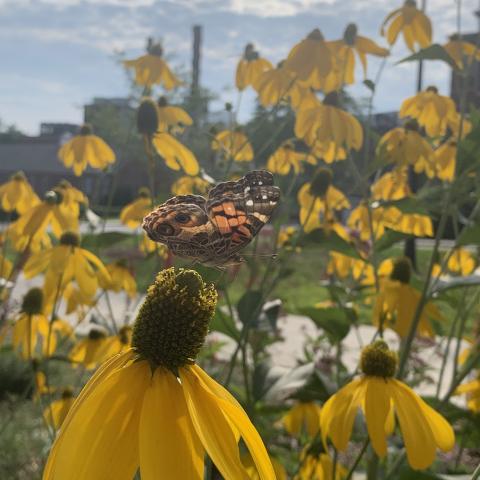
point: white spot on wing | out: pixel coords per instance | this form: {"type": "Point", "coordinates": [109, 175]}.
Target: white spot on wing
{"type": "Point", "coordinates": [249, 203]}
{"type": "Point", "coordinates": [264, 197]}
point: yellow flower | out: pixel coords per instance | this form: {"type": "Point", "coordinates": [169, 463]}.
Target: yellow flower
{"type": "Point", "coordinates": [71, 198]}
{"type": "Point", "coordinates": [116, 343]}
{"type": "Point", "coordinates": [17, 194]}
{"type": "Point", "coordinates": [461, 262]}
{"type": "Point", "coordinates": [311, 60]}
{"type": "Point", "coordinates": [187, 185]}
{"type": "Point", "coordinates": [318, 200]}
{"type": "Point", "coordinates": [148, 246]}
{"type": "Point", "coordinates": [91, 350]}
{"type": "Point", "coordinates": [413, 23]}
{"type": "Point", "coordinates": [432, 111]}
{"type": "Point", "coordinates": [250, 68]}
{"type": "Point", "coordinates": [278, 84]}
{"type": "Point", "coordinates": [176, 155]}
{"type": "Point", "coordinates": [318, 465]}
{"type": "Point", "coordinates": [170, 117]}
{"type": "Point", "coordinates": [285, 237]}
{"type": "Point", "coordinates": [6, 267]}
{"type": "Point", "coordinates": [411, 223]}
{"type": "Point", "coordinates": [472, 391]}
{"type": "Point", "coordinates": [405, 146]}
{"type": "Point", "coordinates": [343, 266]}
{"type": "Point", "coordinates": [31, 328]}
{"type": "Point", "coordinates": [55, 413]}
{"type": "Point", "coordinates": [463, 53]}
{"type": "Point", "coordinates": [120, 278]}
{"type": "Point", "coordinates": [137, 413]}
{"type": "Point", "coordinates": [380, 397]}
{"type": "Point", "coordinates": [369, 224]}
{"type": "Point", "coordinates": [233, 144]}
{"type": "Point", "coordinates": [86, 149]}
{"type": "Point", "coordinates": [397, 301]}
{"type": "Point", "coordinates": [41, 387]}
{"type": "Point", "coordinates": [151, 68]}
{"type": "Point", "coordinates": [444, 161]}
{"type": "Point", "coordinates": [391, 185]}
{"type": "Point", "coordinates": [344, 53]}
{"type": "Point", "coordinates": [303, 416]}
{"type": "Point", "coordinates": [64, 263]}
{"type": "Point", "coordinates": [76, 299]}
{"type": "Point", "coordinates": [132, 214]}
{"type": "Point", "coordinates": [285, 158]}
{"type": "Point", "coordinates": [31, 227]}
{"type": "Point", "coordinates": [329, 127]}
{"type": "Point", "coordinates": [251, 469]}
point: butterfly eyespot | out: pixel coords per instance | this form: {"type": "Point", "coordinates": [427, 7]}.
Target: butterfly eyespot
{"type": "Point", "coordinates": [182, 218]}
{"type": "Point", "coordinates": [165, 229]}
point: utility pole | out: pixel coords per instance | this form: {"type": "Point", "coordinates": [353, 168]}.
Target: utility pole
{"type": "Point", "coordinates": [197, 43]}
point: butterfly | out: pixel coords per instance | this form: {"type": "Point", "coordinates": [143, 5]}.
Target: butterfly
{"type": "Point", "coordinates": [213, 230]}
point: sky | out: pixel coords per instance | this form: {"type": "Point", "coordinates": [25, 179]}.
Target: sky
{"type": "Point", "coordinates": [57, 55]}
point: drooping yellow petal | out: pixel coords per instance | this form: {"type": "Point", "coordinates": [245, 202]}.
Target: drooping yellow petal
{"type": "Point", "coordinates": [418, 437]}
{"type": "Point", "coordinates": [94, 444]}
{"type": "Point", "coordinates": [377, 407]}
{"type": "Point", "coordinates": [169, 445]}
{"type": "Point", "coordinates": [212, 427]}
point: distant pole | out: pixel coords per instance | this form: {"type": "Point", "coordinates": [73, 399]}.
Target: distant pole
{"type": "Point", "coordinates": [410, 250]}
{"type": "Point", "coordinates": [197, 43]}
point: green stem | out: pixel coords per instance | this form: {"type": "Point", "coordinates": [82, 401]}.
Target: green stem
{"type": "Point", "coordinates": [358, 459]}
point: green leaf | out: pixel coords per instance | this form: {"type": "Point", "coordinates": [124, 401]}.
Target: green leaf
{"type": "Point", "coordinates": [389, 238]}
{"type": "Point", "coordinates": [290, 382]}
{"type": "Point", "coordinates": [470, 236]}
{"type": "Point", "coordinates": [334, 321]}
{"type": "Point", "coordinates": [224, 323]}
{"type": "Point", "coordinates": [457, 282]}
{"type": "Point", "coordinates": [407, 205]}
{"type": "Point", "coordinates": [249, 306]}
{"type": "Point", "coordinates": [433, 52]}
{"type": "Point", "coordinates": [105, 239]}
{"type": "Point", "coordinates": [331, 241]}
{"type": "Point", "coordinates": [369, 84]}
{"type": "Point", "coordinates": [264, 377]}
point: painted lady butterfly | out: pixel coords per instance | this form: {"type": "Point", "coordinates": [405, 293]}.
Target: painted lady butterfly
{"type": "Point", "coordinates": [213, 230]}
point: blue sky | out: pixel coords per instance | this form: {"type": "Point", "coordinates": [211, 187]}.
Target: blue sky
{"type": "Point", "coordinates": [59, 54]}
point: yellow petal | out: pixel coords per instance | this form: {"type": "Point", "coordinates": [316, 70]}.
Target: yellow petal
{"type": "Point", "coordinates": [416, 432]}
{"type": "Point", "coordinates": [377, 406]}
{"type": "Point", "coordinates": [169, 446]}
{"type": "Point", "coordinates": [100, 439]}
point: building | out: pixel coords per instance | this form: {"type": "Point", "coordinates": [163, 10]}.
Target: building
{"type": "Point", "coordinates": [470, 86]}
{"type": "Point", "coordinates": [37, 158]}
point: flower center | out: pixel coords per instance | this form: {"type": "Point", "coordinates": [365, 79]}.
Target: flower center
{"type": "Point", "coordinates": [320, 182]}
{"type": "Point", "coordinates": [402, 270]}
{"type": "Point", "coordinates": [432, 88]}
{"type": "Point", "coordinates": [377, 360]}
{"type": "Point", "coordinates": [70, 238]}
{"type": "Point", "coordinates": [172, 323]}
{"type": "Point", "coordinates": [316, 35]}
{"type": "Point", "coordinates": [350, 34]}
{"type": "Point", "coordinates": [147, 117]}
{"type": "Point", "coordinates": [33, 301]}
{"type": "Point", "coordinates": [86, 129]}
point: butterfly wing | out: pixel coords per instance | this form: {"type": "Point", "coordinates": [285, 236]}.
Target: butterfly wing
{"type": "Point", "coordinates": [239, 210]}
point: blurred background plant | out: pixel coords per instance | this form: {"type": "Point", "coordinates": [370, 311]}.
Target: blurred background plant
{"type": "Point", "coordinates": [373, 249]}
